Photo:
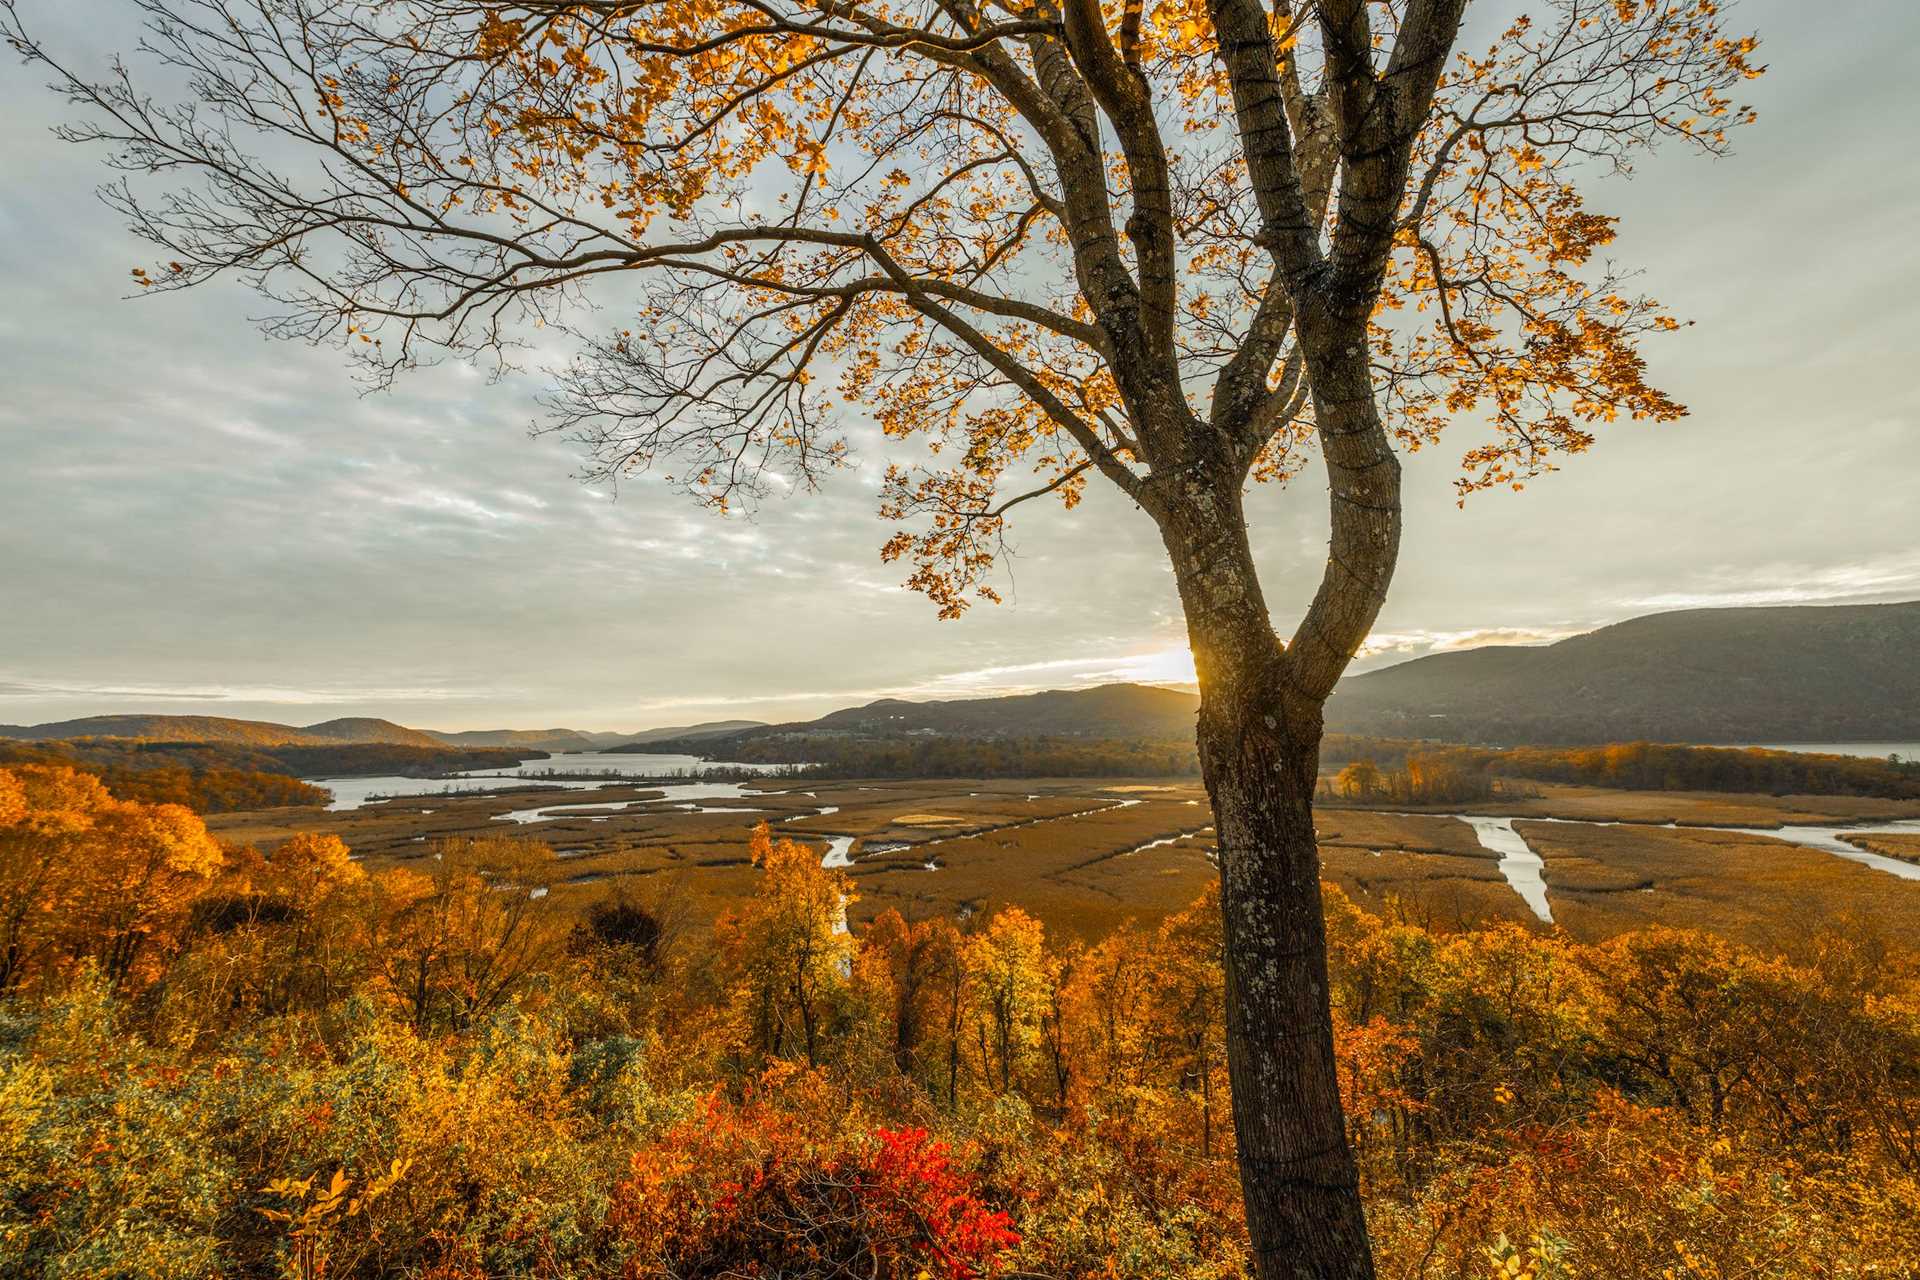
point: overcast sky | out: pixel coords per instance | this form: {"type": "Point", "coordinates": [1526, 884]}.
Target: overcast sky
{"type": "Point", "coordinates": [196, 520]}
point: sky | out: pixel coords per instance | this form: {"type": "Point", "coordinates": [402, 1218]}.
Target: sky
{"type": "Point", "coordinates": [197, 520]}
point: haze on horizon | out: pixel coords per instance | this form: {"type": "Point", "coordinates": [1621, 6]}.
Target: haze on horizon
{"type": "Point", "coordinates": [200, 521]}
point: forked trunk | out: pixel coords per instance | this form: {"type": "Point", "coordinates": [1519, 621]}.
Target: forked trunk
{"type": "Point", "coordinates": [1259, 754]}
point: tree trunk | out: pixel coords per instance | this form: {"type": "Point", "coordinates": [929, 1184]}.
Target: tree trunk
{"type": "Point", "coordinates": [1298, 1176]}
{"type": "Point", "coordinates": [1259, 741]}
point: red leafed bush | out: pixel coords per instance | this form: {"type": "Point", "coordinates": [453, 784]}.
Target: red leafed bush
{"type": "Point", "coordinates": [743, 1193]}
{"type": "Point", "coordinates": [910, 1182]}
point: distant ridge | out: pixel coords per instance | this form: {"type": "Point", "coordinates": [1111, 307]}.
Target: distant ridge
{"type": "Point", "coordinates": [706, 729]}
{"type": "Point", "coordinates": [1107, 711]}
{"type": "Point", "coordinates": [1813, 673]}
{"type": "Point", "coordinates": [346, 730]}
{"type": "Point", "coordinates": [532, 739]}
{"type": "Point", "coordinates": [1833, 673]}
{"type": "Point", "coordinates": [255, 733]}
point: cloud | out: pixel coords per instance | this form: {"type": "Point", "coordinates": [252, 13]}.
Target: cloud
{"type": "Point", "coordinates": [1402, 645]}
{"type": "Point", "coordinates": [1881, 580]}
{"type": "Point", "coordinates": [195, 516]}
{"type": "Point", "coordinates": [17, 687]}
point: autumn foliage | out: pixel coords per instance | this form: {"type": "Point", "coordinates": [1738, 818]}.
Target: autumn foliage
{"type": "Point", "coordinates": [222, 1062]}
{"type": "Point", "coordinates": [752, 1190]}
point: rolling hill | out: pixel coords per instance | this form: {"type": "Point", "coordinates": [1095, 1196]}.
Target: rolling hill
{"type": "Point", "coordinates": [253, 733]}
{"type": "Point", "coordinates": [1793, 674]}
{"type": "Point", "coordinates": [347, 730]}
{"type": "Point", "coordinates": [706, 729]}
{"type": "Point", "coordinates": [583, 739]}
{"type": "Point", "coordinates": [533, 739]}
{"type": "Point", "coordinates": [1108, 711]}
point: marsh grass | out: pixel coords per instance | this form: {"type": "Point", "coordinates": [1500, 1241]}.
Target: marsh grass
{"type": "Point", "coordinates": [1072, 853]}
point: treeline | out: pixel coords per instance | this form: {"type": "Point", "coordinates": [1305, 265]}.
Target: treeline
{"type": "Point", "coordinates": [1653, 766]}
{"type": "Point", "coordinates": [1417, 780]}
{"type": "Point", "coordinates": [223, 777]}
{"type": "Point", "coordinates": [221, 1062]}
{"type": "Point", "coordinates": [845, 755]}
{"type": "Point", "coordinates": [1391, 768]}
{"type": "Point", "coordinates": [160, 777]}
{"type": "Point", "coordinates": [364, 759]}
{"type": "Point", "coordinates": [933, 756]}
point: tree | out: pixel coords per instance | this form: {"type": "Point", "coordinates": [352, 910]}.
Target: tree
{"type": "Point", "coordinates": [1007, 974]}
{"type": "Point", "coordinates": [789, 946]}
{"type": "Point", "coordinates": [86, 876]}
{"type": "Point", "coordinates": [46, 820]}
{"type": "Point", "coordinates": [460, 939]}
{"type": "Point", "coordinates": [1178, 248]}
{"type": "Point", "coordinates": [906, 961]}
{"type": "Point", "coordinates": [1359, 781]}
{"type": "Point", "coordinates": [1189, 998]}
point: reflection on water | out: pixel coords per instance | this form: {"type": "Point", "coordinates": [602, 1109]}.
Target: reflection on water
{"type": "Point", "coordinates": [610, 768]}
{"type": "Point", "coordinates": [1828, 839]}
{"type": "Point", "coordinates": [683, 796]}
{"type": "Point", "coordinates": [1523, 868]}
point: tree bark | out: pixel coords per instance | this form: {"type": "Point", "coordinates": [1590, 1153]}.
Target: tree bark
{"type": "Point", "coordinates": [1259, 740]}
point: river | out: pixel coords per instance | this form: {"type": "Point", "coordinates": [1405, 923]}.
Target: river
{"type": "Point", "coordinates": [615, 768]}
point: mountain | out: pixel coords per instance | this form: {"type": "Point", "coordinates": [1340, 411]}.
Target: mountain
{"type": "Point", "coordinates": [249, 733]}
{"type": "Point", "coordinates": [533, 739]}
{"type": "Point", "coordinates": [1833, 673]}
{"type": "Point", "coordinates": [367, 729]}
{"type": "Point", "coordinates": [1106, 711]}
{"type": "Point", "coordinates": [350, 729]}
{"type": "Point", "coordinates": [706, 729]}
{"type": "Point", "coordinates": [1830, 673]}
{"type": "Point", "coordinates": [253, 733]}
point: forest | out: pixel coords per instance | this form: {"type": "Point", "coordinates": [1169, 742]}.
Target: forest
{"type": "Point", "coordinates": [225, 777]}
{"type": "Point", "coordinates": [217, 1060]}
{"type": "Point", "coordinates": [1426, 772]}
{"type": "Point", "coordinates": [1652, 766]}
{"type": "Point", "coordinates": [204, 777]}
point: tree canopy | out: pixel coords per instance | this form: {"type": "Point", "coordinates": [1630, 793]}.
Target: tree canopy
{"type": "Point", "coordinates": [1048, 239]}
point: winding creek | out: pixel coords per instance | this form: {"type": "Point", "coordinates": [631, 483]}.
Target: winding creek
{"type": "Point", "coordinates": [685, 797]}
{"type": "Point", "coordinates": [608, 769]}
{"type": "Point", "coordinates": [1525, 870]}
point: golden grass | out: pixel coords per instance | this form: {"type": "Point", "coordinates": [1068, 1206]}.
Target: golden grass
{"type": "Point", "coordinates": [1605, 880]}
{"type": "Point", "coordinates": [1437, 891]}
{"type": "Point", "coordinates": [1904, 845]}
{"type": "Point", "coordinates": [1416, 833]}
{"type": "Point", "coordinates": [1699, 808]}
{"type": "Point", "coordinates": [1074, 852]}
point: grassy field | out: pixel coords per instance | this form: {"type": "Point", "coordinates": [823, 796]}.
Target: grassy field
{"type": "Point", "coordinates": [1605, 880]}
{"type": "Point", "coordinates": [1894, 845]}
{"type": "Point", "coordinates": [1086, 855]}
{"type": "Point", "coordinates": [1693, 808]}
